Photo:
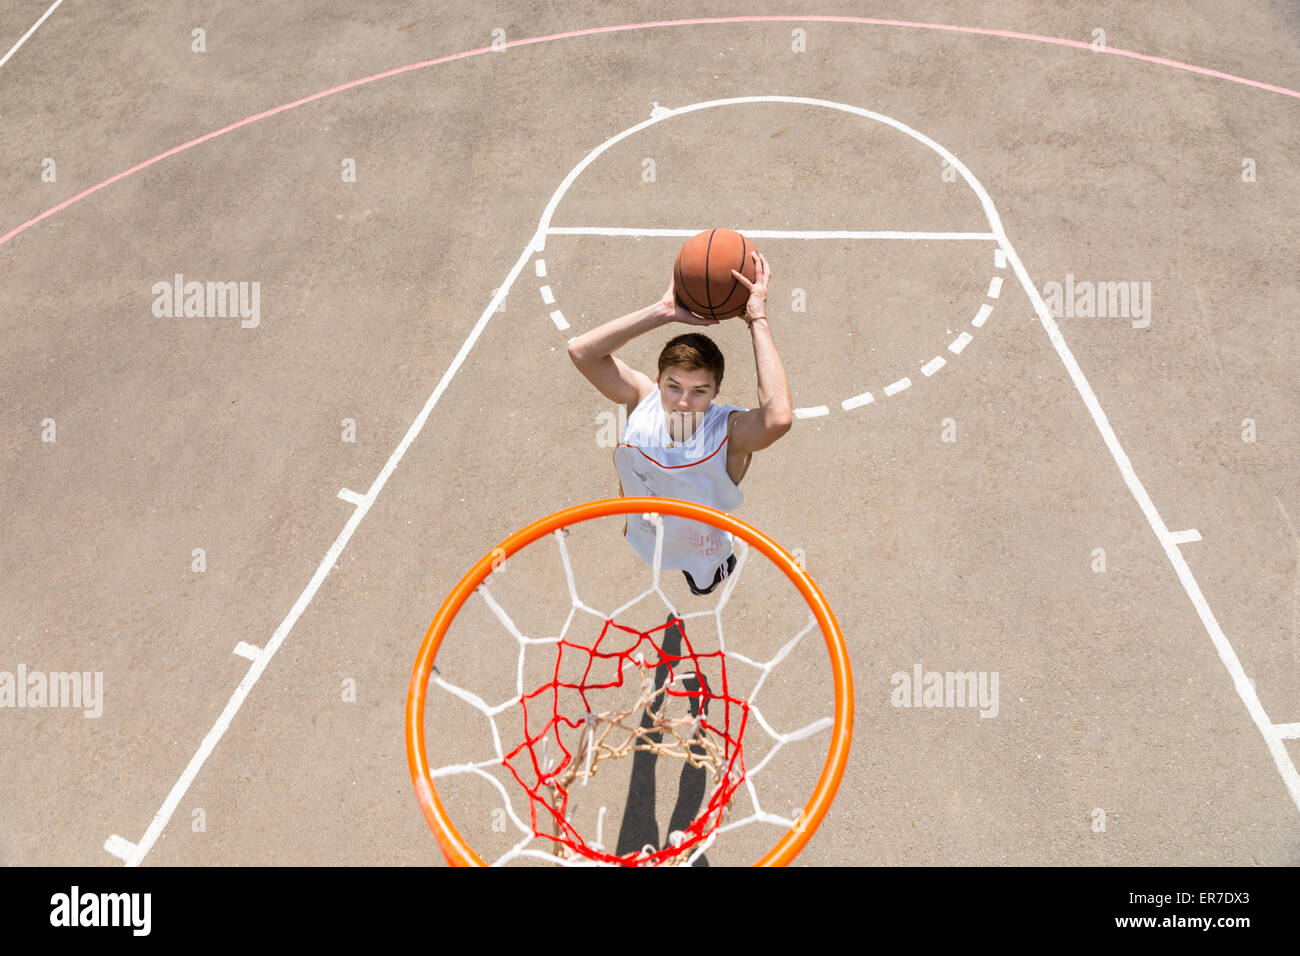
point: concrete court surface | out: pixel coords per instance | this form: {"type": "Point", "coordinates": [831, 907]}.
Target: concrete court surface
{"type": "Point", "coordinates": [974, 521]}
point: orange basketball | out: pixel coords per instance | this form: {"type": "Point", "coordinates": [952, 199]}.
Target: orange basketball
{"type": "Point", "coordinates": [702, 275]}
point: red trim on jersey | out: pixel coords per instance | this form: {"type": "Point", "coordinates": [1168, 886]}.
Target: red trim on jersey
{"type": "Point", "coordinates": [689, 464]}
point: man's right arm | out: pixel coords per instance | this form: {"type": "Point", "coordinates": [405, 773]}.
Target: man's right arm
{"type": "Point", "coordinates": [593, 354]}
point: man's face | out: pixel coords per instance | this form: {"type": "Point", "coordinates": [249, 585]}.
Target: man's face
{"type": "Point", "coordinates": [686, 395]}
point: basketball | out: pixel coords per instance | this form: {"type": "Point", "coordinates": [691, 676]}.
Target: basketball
{"type": "Point", "coordinates": [702, 275]}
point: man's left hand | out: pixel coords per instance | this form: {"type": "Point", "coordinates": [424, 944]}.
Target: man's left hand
{"type": "Point", "coordinates": [756, 307]}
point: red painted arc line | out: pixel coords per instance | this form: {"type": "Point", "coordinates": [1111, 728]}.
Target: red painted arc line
{"type": "Point", "coordinates": [592, 31]}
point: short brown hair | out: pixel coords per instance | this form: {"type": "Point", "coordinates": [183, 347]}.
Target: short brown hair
{"type": "Point", "coordinates": [691, 351]}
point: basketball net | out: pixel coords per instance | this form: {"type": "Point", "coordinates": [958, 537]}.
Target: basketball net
{"type": "Point", "coordinates": [679, 708]}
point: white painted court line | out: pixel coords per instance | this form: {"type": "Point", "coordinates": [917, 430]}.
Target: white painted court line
{"type": "Point", "coordinates": [1184, 537]}
{"type": "Point", "coordinates": [244, 649]}
{"type": "Point", "coordinates": [546, 229]}
{"type": "Point", "coordinates": [351, 496]}
{"type": "Point", "coordinates": [999, 258]}
{"type": "Point", "coordinates": [540, 265]}
{"type": "Point", "coordinates": [981, 315]}
{"type": "Point", "coordinates": [897, 387]}
{"type": "Point", "coordinates": [135, 853]}
{"type": "Point", "coordinates": [1287, 731]}
{"type": "Point", "coordinates": [1241, 683]}
{"type": "Point", "coordinates": [932, 366]}
{"type": "Point", "coordinates": [995, 287]}
{"type": "Point", "coordinates": [120, 847]}
{"type": "Point", "coordinates": [23, 39]}
{"type": "Point", "coordinates": [959, 343]}
{"type": "Point", "coordinates": [765, 233]}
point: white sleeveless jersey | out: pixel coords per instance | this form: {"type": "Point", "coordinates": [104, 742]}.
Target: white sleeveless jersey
{"type": "Point", "coordinates": [650, 463]}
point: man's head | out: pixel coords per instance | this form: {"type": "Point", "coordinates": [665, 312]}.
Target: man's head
{"type": "Point", "coordinates": [690, 373]}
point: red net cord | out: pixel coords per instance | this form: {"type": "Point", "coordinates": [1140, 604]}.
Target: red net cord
{"type": "Point", "coordinates": [605, 665]}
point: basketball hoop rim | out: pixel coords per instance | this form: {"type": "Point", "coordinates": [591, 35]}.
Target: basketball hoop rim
{"type": "Point", "coordinates": [453, 845]}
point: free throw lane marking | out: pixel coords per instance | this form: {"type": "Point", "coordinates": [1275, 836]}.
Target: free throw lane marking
{"type": "Point", "coordinates": [764, 233]}
{"type": "Point", "coordinates": [546, 228]}
{"type": "Point", "coordinates": [1184, 537]}
{"type": "Point", "coordinates": [351, 496]}
{"type": "Point", "coordinates": [929, 368]}
{"type": "Point", "coordinates": [135, 853]}
{"type": "Point", "coordinates": [1227, 655]}
{"type": "Point", "coordinates": [244, 649]}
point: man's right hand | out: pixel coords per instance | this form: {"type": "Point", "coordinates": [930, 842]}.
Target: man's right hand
{"type": "Point", "coordinates": [673, 311]}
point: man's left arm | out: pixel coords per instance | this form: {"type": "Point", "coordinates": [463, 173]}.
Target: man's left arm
{"type": "Point", "coordinates": [759, 427]}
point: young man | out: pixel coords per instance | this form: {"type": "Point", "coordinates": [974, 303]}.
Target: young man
{"type": "Point", "coordinates": [677, 443]}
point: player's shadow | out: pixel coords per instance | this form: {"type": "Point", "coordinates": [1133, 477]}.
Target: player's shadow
{"type": "Point", "coordinates": [640, 828]}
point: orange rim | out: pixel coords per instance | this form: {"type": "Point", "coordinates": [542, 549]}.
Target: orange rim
{"type": "Point", "coordinates": [453, 845]}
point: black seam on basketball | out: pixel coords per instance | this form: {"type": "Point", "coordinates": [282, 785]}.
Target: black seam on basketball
{"type": "Point", "coordinates": [698, 308]}
{"type": "Point", "coordinates": [703, 309]}
{"type": "Point", "coordinates": [679, 285]}
{"type": "Point", "coordinates": [683, 290]}
{"type": "Point", "coordinates": [744, 248]}
{"type": "Point", "coordinates": [708, 279]}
